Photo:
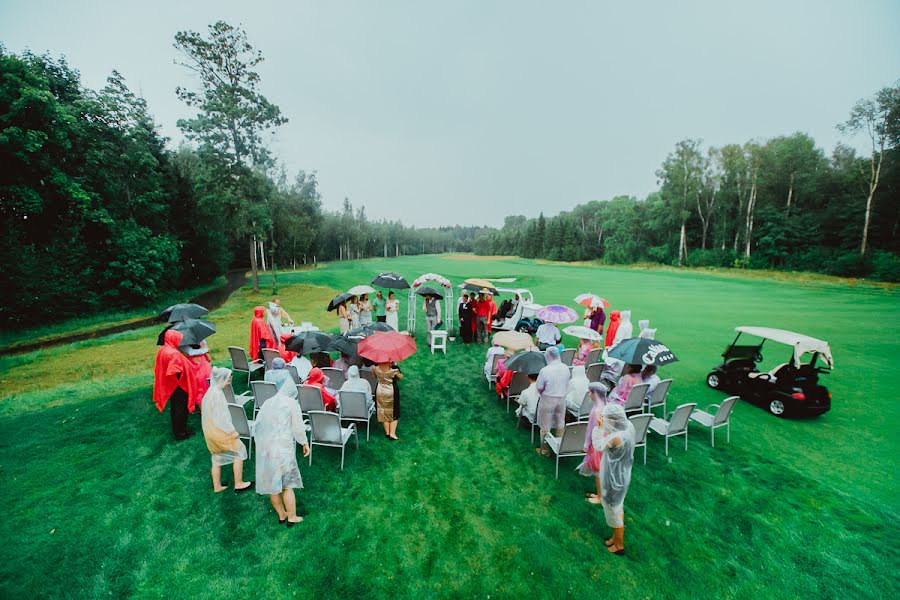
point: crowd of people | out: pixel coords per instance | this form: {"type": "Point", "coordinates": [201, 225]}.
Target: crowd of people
{"type": "Point", "coordinates": [357, 311]}
{"type": "Point", "coordinates": [476, 313]}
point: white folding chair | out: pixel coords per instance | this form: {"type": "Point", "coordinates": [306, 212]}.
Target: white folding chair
{"type": "Point", "coordinates": [492, 380]}
{"type": "Point", "coordinates": [720, 418]}
{"type": "Point", "coordinates": [567, 356]}
{"type": "Point", "coordinates": [355, 407]}
{"type": "Point", "coordinates": [241, 363]}
{"type": "Point", "coordinates": [658, 397]}
{"type": "Point", "coordinates": [439, 340]}
{"type": "Point", "coordinates": [295, 374]}
{"type": "Point", "coordinates": [677, 425]}
{"type": "Point", "coordinates": [310, 398]}
{"type": "Point", "coordinates": [641, 425]}
{"type": "Point", "coordinates": [335, 377]}
{"type": "Point", "coordinates": [231, 398]}
{"type": "Point", "coordinates": [367, 374]}
{"type": "Point", "coordinates": [593, 356]}
{"type": "Point", "coordinates": [518, 384]}
{"type": "Point", "coordinates": [327, 431]}
{"type": "Point", "coordinates": [242, 425]}
{"type": "Point", "coordinates": [570, 444]}
{"type": "Point", "coordinates": [634, 402]}
{"type": "Point", "coordinates": [584, 411]}
{"type": "Point", "coordinates": [532, 420]}
{"type": "Point", "coordinates": [269, 354]}
{"type": "Point", "coordinates": [262, 391]}
{"type": "Point", "coordinates": [593, 371]}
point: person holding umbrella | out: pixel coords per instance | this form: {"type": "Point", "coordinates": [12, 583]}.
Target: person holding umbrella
{"type": "Point", "coordinates": [174, 383]}
{"type": "Point", "coordinates": [343, 317]}
{"type": "Point", "coordinates": [386, 348]}
{"type": "Point", "coordinates": [553, 385]}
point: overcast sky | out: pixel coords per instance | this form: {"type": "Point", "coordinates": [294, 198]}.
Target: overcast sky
{"type": "Point", "coordinates": [465, 111]}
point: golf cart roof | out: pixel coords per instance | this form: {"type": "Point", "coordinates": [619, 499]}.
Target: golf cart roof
{"type": "Point", "coordinates": [801, 343]}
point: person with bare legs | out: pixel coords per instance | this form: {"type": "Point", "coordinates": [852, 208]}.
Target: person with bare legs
{"type": "Point", "coordinates": [387, 409]}
{"type": "Point", "coordinates": [616, 441]}
{"type": "Point", "coordinates": [221, 437]}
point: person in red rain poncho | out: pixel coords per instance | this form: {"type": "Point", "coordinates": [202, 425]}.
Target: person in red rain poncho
{"type": "Point", "coordinates": [614, 318]}
{"type": "Point", "coordinates": [175, 382]}
{"type": "Point", "coordinates": [259, 333]}
{"type": "Point", "coordinates": [491, 310]}
{"type": "Point", "coordinates": [317, 378]}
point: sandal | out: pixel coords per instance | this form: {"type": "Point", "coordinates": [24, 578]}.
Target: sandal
{"type": "Point", "coordinates": [248, 487]}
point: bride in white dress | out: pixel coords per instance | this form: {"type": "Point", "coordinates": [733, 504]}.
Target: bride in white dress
{"type": "Point", "coordinates": [392, 308]}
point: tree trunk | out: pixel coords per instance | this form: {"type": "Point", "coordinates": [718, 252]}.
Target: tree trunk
{"type": "Point", "coordinates": [340, 252]}
{"type": "Point", "coordinates": [385, 249]}
{"type": "Point", "coordinates": [396, 249]}
{"type": "Point", "coordinates": [262, 254]}
{"type": "Point", "coordinates": [751, 204]}
{"type": "Point", "coordinates": [253, 264]}
{"type": "Point", "coordinates": [790, 195]}
{"type": "Point", "coordinates": [873, 185]}
{"type": "Point", "coordinates": [682, 245]}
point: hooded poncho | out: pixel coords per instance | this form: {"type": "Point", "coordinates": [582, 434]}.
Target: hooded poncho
{"type": "Point", "coordinates": [317, 378]}
{"type": "Point", "coordinates": [614, 318]}
{"type": "Point", "coordinates": [173, 370]}
{"type": "Point", "coordinates": [259, 330]}
{"type": "Point", "coordinates": [616, 442]}
{"type": "Point", "coordinates": [218, 429]}
{"type": "Point", "coordinates": [626, 329]}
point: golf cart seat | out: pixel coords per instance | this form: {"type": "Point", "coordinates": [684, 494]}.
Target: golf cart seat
{"type": "Point", "coordinates": [772, 375]}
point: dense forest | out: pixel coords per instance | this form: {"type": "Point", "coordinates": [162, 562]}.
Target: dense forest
{"type": "Point", "coordinates": [99, 211]}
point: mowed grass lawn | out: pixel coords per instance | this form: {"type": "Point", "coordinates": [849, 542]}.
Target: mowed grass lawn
{"type": "Point", "coordinates": [100, 502]}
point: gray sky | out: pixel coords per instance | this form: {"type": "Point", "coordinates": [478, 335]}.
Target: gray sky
{"type": "Point", "coordinates": [465, 111]}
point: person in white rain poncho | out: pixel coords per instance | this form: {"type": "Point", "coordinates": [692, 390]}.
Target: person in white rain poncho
{"type": "Point", "coordinates": [274, 314]}
{"type": "Point", "coordinates": [489, 359]}
{"type": "Point", "coordinates": [221, 437]}
{"type": "Point", "coordinates": [646, 332]}
{"type": "Point", "coordinates": [279, 425]}
{"type": "Point", "coordinates": [578, 387]}
{"type": "Point", "coordinates": [626, 329]}
{"type": "Point", "coordinates": [615, 439]}
{"type": "Point", "coordinates": [355, 383]}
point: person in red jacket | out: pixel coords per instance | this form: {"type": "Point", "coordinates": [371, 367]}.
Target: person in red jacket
{"type": "Point", "coordinates": [492, 311]}
{"type": "Point", "coordinates": [615, 318]}
{"type": "Point", "coordinates": [482, 312]}
{"type": "Point", "coordinates": [174, 382]}
{"type": "Point", "coordinates": [317, 378]}
{"type": "Point", "coordinates": [260, 334]}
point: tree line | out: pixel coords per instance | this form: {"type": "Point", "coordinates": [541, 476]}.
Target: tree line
{"type": "Point", "coordinates": [97, 212]}
{"type": "Point", "coordinates": [780, 203]}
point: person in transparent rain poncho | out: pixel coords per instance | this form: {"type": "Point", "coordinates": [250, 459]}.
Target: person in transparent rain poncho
{"type": "Point", "coordinates": [615, 439]}
{"type": "Point", "coordinates": [221, 437]}
{"type": "Point", "coordinates": [355, 383]}
{"type": "Point", "coordinates": [626, 329]}
{"type": "Point", "coordinates": [279, 426]}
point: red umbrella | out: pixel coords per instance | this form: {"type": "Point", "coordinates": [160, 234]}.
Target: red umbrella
{"type": "Point", "coordinates": [387, 346]}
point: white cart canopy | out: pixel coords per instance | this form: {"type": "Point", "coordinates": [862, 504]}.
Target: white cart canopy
{"type": "Point", "coordinates": [801, 343]}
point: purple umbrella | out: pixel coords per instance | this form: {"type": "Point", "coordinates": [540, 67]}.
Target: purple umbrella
{"type": "Point", "coordinates": [557, 313]}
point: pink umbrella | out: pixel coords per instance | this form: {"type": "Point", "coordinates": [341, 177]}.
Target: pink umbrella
{"type": "Point", "coordinates": [557, 313]}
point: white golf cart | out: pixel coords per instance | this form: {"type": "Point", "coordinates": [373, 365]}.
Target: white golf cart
{"type": "Point", "coordinates": [517, 315]}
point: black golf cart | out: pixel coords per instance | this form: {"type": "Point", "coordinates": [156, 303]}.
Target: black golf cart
{"type": "Point", "coordinates": [788, 389]}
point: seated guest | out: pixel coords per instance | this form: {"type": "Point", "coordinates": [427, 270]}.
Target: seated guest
{"type": "Point", "coordinates": [584, 348]}
{"type": "Point", "coordinates": [631, 378]}
{"type": "Point", "coordinates": [578, 387]}
{"type": "Point", "coordinates": [278, 374]}
{"type": "Point", "coordinates": [355, 383]}
{"type": "Point", "coordinates": [221, 437]}
{"type": "Point", "coordinates": [547, 335]}
{"type": "Point", "coordinates": [303, 366]}
{"type": "Point", "coordinates": [528, 400]}
{"type": "Point", "coordinates": [489, 360]}
{"type": "Point", "coordinates": [260, 334]}
{"type": "Point", "coordinates": [317, 378]}
{"type": "Point", "coordinates": [343, 363]}
{"type": "Point", "coordinates": [649, 376]}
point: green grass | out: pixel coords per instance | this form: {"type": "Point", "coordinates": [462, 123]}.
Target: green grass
{"type": "Point", "coordinates": [101, 320]}
{"type": "Point", "coordinates": [101, 502]}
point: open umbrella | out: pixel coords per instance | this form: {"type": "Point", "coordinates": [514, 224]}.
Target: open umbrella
{"type": "Point", "coordinates": [194, 331]}
{"type": "Point", "coordinates": [359, 290]}
{"type": "Point", "coordinates": [557, 313]}
{"type": "Point", "coordinates": [338, 299]}
{"type": "Point", "coordinates": [306, 342]}
{"type": "Point", "coordinates": [429, 291]}
{"type": "Point", "coordinates": [643, 351]}
{"type": "Point", "coordinates": [585, 333]}
{"type": "Point", "coordinates": [529, 362]}
{"type": "Point", "coordinates": [180, 312]}
{"type": "Point", "coordinates": [514, 340]}
{"type": "Point", "coordinates": [387, 346]}
{"type": "Point", "coordinates": [347, 343]}
{"type": "Point", "coordinates": [480, 285]}
{"type": "Point", "coordinates": [391, 280]}
{"type": "Point", "coordinates": [377, 326]}
{"type": "Point", "coordinates": [591, 301]}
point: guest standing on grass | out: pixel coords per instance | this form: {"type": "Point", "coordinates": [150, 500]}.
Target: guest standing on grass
{"type": "Point", "coordinates": [388, 408]}
{"type": "Point", "coordinates": [552, 384]}
{"type": "Point", "coordinates": [354, 312]}
{"type": "Point", "coordinates": [343, 317]}
{"type": "Point", "coordinates": [378, 306]}
{"type": "Point", "coordinates": [491, 312]}
{"type": "Point", "coordinates": [260, 334]}
{"type": "Point", "coordinates": [174, 383]}
{"type": "Point", "coordinates": [482, 310]}
{"type": "Point", "coordinates": [598, 318]}
{"type": "Point", "coordinates": [616, 442]}
{"type": "Point", "coordinates": [278, 427]}
{"type": "Point", "coordinates": [466, 313]}
{"type": "Point", "coordinates": [590, 466]}
{"type": "Point", "coordinates": [221, 437]}
{"type": "Point", "coordinates": [614, 318]}
{"type": "Point", "coordinates": [392, 310]}
{"type": "Point", "coordinates": [365, 310]}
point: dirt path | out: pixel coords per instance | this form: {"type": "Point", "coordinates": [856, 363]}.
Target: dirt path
{"type": "Point", "coordinates": [211, 299]}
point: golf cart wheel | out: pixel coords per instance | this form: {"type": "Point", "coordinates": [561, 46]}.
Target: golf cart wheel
{"type": "Point", "coordinates": [524, 328]}
{"type": "Point", "coordinates": [776, 407]}
{"type": "Point", "coordinates": [714, 381]}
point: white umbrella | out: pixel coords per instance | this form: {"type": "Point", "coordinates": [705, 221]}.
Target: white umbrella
{"type": "Point", "coordinates": [359, 290]}
{"type": "Point", "coordinates": [585, 333]}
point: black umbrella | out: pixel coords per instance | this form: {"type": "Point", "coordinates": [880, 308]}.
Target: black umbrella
{"type": "Point", "coordinates": [194, 330]}
{"type": "Point", "coordinates": [429, 291]}
{"type": "Point", "coordinates": [390, 280]}
{"type": "Point", "coordinates": [180, 312]}
{"type": "Point", "coordinates": [346, 344]}
{"type": "Point", "coordinates": [479, 289]}
{"type": "Point", "coordinates": [338, 299]}
{"type": "Point", "coordinates": [378, 326]}
{"type": "Point", "coordinates": [643, 351]}
{"type": "Point", "coordinates": [529, 362]}
{"type": "Point", "coordinates": [309, 341]}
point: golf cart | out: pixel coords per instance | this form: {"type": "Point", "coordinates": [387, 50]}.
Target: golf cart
{"type": "Point", "coordinates": [788, 389]}
{"type": "Point", "coordinates": [518, 316]}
